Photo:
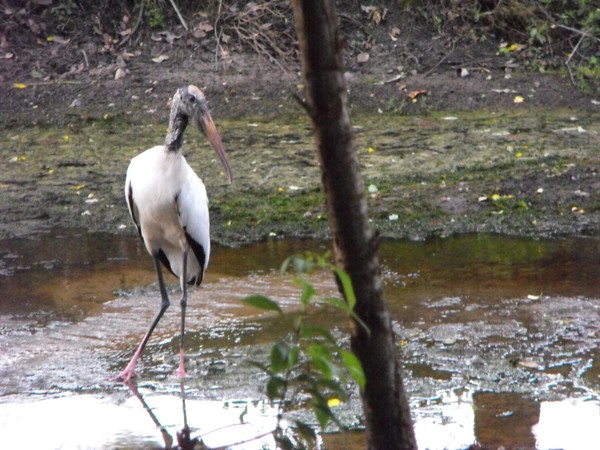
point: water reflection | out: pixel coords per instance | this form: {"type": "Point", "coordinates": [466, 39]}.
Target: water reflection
{"type": "Point", "coordinates": [499, 335]}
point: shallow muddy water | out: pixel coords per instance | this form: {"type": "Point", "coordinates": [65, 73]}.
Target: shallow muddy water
{"type": "Point", "coordinates": [499, 337]}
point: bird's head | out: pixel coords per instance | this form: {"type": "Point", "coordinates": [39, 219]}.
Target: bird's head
{"type": "Point", "coordinates": [192, 103]}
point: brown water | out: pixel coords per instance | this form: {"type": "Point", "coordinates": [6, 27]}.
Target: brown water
{"type": "Point", "coordinates": [499, 338]}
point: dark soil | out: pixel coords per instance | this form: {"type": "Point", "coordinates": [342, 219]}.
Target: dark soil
{"type": "Point", "coordinates": [74, 79]}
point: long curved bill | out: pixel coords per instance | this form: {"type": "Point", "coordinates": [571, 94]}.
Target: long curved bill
{"type": "Point", "coordinates": [209, 130]}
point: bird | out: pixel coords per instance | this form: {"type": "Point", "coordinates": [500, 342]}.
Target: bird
{"type": "Point", "coordinates": [169, 206]}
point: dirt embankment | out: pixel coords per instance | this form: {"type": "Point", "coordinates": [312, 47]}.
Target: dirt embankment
{"type": "Point", "coordinates": [394, 68]}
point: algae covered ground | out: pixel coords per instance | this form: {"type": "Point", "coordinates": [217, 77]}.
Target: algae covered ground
{"type": "Point", "coordinates": [532, 172]}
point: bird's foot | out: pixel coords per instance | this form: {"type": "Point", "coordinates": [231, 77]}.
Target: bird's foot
{"type": "Point", "coordinates": [180, 373]}
{"type": "Point", "coordinates": [126, 376]}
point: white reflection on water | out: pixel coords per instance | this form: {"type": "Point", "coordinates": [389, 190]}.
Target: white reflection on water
{"type": "Point", "coordinates": [89, 422]}
{"type": "Point", "coordinates": [92, 422]}
{"type": "Point", "coordinates": [571, 424]}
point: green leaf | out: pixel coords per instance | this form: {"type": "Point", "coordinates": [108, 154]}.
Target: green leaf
{"type": "Point", "coordinates": [322, 360]}
{"type": "Point", "coordinates": [313, 331]}
{"type": "Point", "coordinates": [308, 290]}
{"type": "Point", "coordinates": [346, 283]}
{"type": "Point", "coordinates": [279, 357]}
{"type": "Point", "coordinates": [305, 430]}
{"type": "Point", "coordinates": [299, 264]}
{"type": "Point", "coordinates": [354, 367]}
{"type": "Point", "coordinates": [276, 388]}
{"type": "Point", "coordinates": [293, 357]}
{"type": "Point", "coordinates": [339, 304]}
{"type": "Point", "coordinates": [323, 413]}
{"type": "Point", "coordinates": [302, 265]}
{"type": "Point", "coordinates": [262, 302]}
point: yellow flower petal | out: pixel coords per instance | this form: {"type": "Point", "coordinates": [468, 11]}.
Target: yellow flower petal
{"type": "Point", "coordinates": [334, 402]}
{"type": "Point", "coordinates": [19, 86]}
{"type": "Point", "coordinates": [519, 99]}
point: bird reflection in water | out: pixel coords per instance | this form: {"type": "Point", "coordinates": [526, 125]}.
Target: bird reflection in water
{"type": "Point", "coordinates": [184, 439]}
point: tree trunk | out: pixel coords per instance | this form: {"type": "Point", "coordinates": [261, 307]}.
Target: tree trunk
{"type": "Point", "coordinates": [387, 414]}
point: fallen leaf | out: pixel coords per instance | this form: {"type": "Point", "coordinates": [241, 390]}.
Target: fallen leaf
{"type": "Point", "coordinates": [462, 72]}
{"type": "Point", "coordinates": [19, 86]}
{"type": "Point", "coordinates": [120, 74]}
{"type": "Point", "coordinates": [519, 99]}
{"type": "Point", "coordinates": [414, 94]}
{"type": "Point", "coordinates": [362, 58]}
{"type": "Point", "coordinates": [58, 39]}
{"type": "Point", "coordinates": [393, 79]}
{"type": "Point", "coordinates": [206, 27]}
{"type": "Point", "coordinates": [514, 47]}
{"type": "Point", "coordinates": [160, 59]}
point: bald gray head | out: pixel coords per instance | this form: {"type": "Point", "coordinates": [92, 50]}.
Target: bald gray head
{"type": "Point", "coordinates": [188, 104]}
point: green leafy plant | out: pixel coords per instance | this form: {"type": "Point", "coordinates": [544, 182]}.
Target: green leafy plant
{"type": "Point", "coordinates": [155, 14]}
{"type": "Point", "coordinates": [309, 367]}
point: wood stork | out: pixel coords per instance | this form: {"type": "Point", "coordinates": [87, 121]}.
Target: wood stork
{"type": "Point", "coordinates": [168, 203]}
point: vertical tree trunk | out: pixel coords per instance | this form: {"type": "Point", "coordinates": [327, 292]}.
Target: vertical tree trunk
{"type": "Point", "coordinates": [387, 415]}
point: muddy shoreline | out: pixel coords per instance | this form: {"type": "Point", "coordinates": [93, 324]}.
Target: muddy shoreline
{"type": "Point", "coordinates": [67, 137]}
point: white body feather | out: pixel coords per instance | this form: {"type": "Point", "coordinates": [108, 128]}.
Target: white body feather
{"type": "Point", "coordinates": [168, 200]}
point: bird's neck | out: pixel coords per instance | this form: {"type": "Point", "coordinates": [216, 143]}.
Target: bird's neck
{"type": "Point", "coordinates": [177, 125]}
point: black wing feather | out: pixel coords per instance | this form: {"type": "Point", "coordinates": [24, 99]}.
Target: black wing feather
{"type": "Point", "coordinates": [131, 205]}
{"type": "Point", "coordinates": [200, 256]}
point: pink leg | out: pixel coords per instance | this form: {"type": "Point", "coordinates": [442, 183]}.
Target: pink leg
{"type": "Point", "coordinates": [181, 373]}
{"type": "Point", "coordinates": [129, 371]}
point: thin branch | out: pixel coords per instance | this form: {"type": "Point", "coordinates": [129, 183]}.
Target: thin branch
{"type": "Point", "coordinates": [441, 60]}
{"type": "Point", "coordinates": [181, 19]}
{"type": "Point", "coordinates": [137, 24]}
{"type": "Point", "coordinates": [567, 62]}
